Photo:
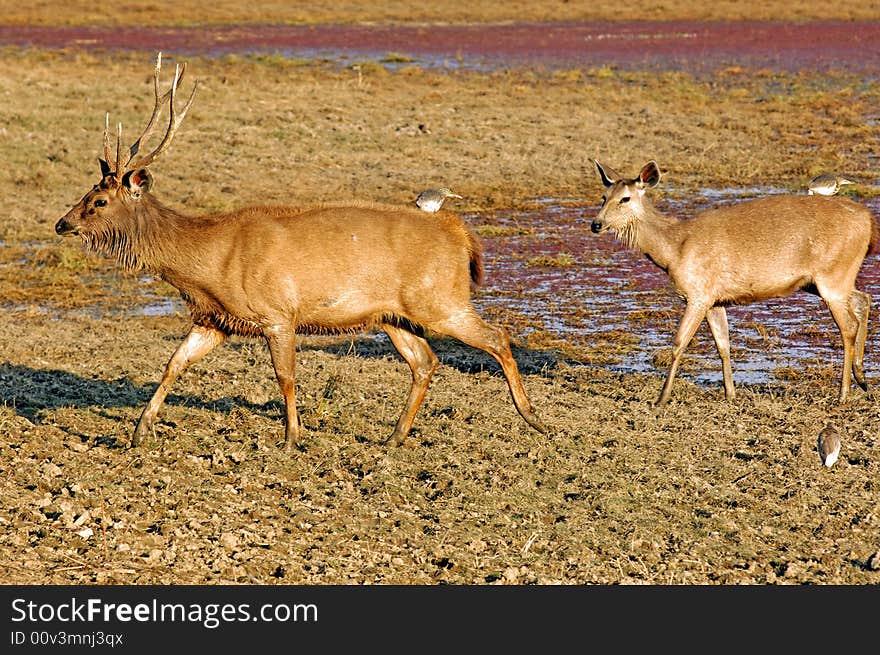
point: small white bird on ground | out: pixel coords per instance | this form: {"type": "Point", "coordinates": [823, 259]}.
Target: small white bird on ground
{"type": "Point", "coordinates": [827, 184]}
{"type": "Point", "coordinates": [431, 200]}
{"type": "Point", "coordinates": [829, 445]}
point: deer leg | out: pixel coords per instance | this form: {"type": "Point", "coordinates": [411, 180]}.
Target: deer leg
{"type": "Point", "coordinates": [469, 328]}
{"type": "Point", "coordinates": [693, 316]}
{"type": "Point", "coordinates": [422, 362]}
{"type": "Point", "coordinates": [282, 348]}
{"type": "Point", "coordinates": [716, 317]}
{"type": "Point", "coordinates": [199, 342]}
{"type": "Point", "coordinates": [860, 305]}
{"type": "Point", "coordinates": [847, 323]}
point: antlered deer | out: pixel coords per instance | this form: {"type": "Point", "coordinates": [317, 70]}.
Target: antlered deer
{"type": "Point", "coordinates": [273, 272]}
{"type": "Point", "coordinates": [750, 251]}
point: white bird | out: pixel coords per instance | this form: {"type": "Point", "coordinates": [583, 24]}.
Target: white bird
{"type": "Point", "coordinates": [827, 184]}
{"type": "Point", "coordinates": [829, 445]}
{"type": "Point", "coordinates": [431, 200]}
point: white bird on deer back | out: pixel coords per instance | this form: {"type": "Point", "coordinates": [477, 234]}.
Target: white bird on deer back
{"type": "Point", "coordinates": [431, 200]}
{"type": "Point", "coordinates": [749, 251]}
{"type": "Point", "coordinates": [827, 184]}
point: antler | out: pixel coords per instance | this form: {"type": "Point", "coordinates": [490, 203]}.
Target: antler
{"type": "Point", "coordinates": [121, 166]}
{"type": "Point", "coordinates": [107, 151]}
{"type": "Point", "coordinates": [174, 120]}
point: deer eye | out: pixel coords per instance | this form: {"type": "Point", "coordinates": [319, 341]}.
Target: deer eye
{"type": "Point", "coordinates": [100, 202]}
{"type": "Point", "coordinates": [624, 199]}
{"type": "Point", "coordinates": [603, 201]}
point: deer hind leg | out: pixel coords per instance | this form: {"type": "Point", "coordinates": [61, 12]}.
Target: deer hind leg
{"type": "Point", "coordinates": [693, 316]}
{"type": "Point", "coordinates": [469, 328]}
{"type": "Point", "coordinates": [860, 305]}
{"type": "Point", "coordinates": [198, 343]}
{"type": "Point", "coordinates": [282, 347]}
{"type": "Point", "coordinates": [422, 362]}
{"type": "Point", "coordinates": [848, 324]}
{"type": "Point", "coordinates": [716, 317]}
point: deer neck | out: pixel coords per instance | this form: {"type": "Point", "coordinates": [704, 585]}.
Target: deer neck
{"type": "Point", "coordinates": [656, 235]}
{"type": "Point", "coordinates": [154, 239]}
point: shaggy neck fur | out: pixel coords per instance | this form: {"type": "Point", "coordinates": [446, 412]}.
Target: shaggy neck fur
{"type": "Point", "coordinates": [652, 233]}
{"type": "Point", "coordinates": [148, 237]}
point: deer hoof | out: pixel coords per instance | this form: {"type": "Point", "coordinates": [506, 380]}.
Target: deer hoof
{"type": "Point", "coordinates": [859, 375]}
{"type": "Point", "coordinates": [141, 432]}
{"type": "Point", "coordinates": [396, 439]}
{"type": "Point", "coordinates": [536, 423]}
{"type": "Point", "coordinates": [138, 437]}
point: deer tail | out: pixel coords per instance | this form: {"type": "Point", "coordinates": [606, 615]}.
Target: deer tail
{"type": "Point", "coordinates": [475, 251]}
{"type": "Point", "coordinates": [874, 244]}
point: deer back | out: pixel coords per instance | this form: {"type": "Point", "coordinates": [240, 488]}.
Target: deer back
{"type": "Point", "coordinates": [772, 246]}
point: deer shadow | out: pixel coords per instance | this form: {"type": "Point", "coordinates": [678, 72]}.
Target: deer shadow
{"type": "Point", "coordinates": [32, 393]}
{"type": "Point", "coordinates": [450, 352]}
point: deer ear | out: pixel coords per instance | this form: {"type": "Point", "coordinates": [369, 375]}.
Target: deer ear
{"type": "Point", "coordinates": [137, 182]}
{"type": "Point", "coordinates": [609, 177]}
{"type": "Point", "coordinates": [649, 176]}
{"type": "Point", "coordinates": [105, 168]}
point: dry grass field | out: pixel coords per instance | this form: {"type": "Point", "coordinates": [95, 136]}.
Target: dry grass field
{"type": "Point", "coordinates": [699, 492]}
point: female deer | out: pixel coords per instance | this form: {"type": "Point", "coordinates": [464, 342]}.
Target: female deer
{"type": "Point", "coordinates": [273, 272]}
{"type": "Point", "coordinates": [750, 251]}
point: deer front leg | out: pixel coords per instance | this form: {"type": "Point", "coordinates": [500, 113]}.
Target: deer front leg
{"type": "Point", "coordinates": [693, 316]}
{"type": "Point", "coordinates": [199, 342]}
{"type": "Point", "coordinates": [716, 317]}
{"type": "Point", "coordinates": [282, 347]}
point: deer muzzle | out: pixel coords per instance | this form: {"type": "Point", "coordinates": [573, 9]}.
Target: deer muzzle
{"type": "Point", "coordinates": [64, 226]}
{"type": "Point", "coordinates": [597, 226]}
{"type": "Point", "coordinates": [68, 224]}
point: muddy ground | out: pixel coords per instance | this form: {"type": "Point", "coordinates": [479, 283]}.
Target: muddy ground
{"type": "Point", "coordinates": [702, 491]}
